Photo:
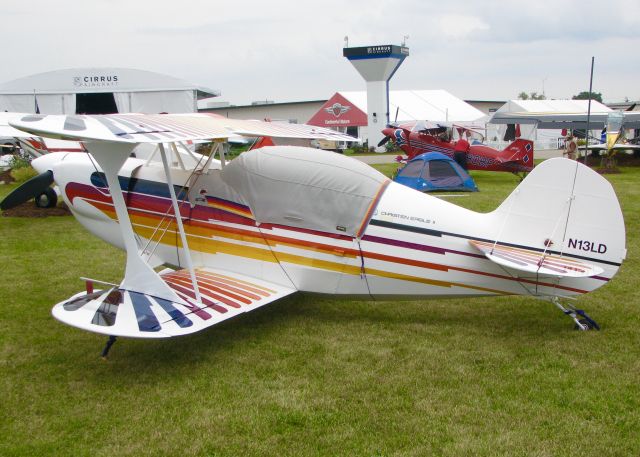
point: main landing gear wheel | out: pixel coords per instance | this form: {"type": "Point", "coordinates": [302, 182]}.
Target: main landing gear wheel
{"type": "Point", "coordinates": [47, 199]}
{"type": "Point", "coordinates": [582, 320]}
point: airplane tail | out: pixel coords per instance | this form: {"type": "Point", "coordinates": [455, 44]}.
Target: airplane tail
{"type": "Point", "coordinates": [262, 142]}
{"type": "Point", "coordinates": [520, 151]}
{"type": "Point", "coordinates": [562, 222]}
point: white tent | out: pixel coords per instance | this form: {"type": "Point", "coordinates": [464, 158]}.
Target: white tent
{"type": "Point", "coordinates": [544, 131]}
{"type": "Point", "coordinates": [91, 89]}
{"type": "Point", "coordinates": [420, 105]}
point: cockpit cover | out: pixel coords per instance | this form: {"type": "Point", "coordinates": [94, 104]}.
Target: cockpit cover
{"type": "Point", "coordinates": [306, 188]}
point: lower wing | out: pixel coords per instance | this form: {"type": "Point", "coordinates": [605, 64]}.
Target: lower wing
{"type": "Point", "coordinates": [122, 312]}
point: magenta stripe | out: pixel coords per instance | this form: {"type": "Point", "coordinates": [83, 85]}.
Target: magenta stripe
{"type": "Point", "coordinates": [418, 247]}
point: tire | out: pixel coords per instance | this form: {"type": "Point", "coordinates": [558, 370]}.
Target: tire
{"type": "Point", "coordinates": [585, 323]}
{"type": "Point", "coordinates": [47, 199]}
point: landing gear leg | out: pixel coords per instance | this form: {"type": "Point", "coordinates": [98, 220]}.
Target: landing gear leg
{"type": "Point", "coordinates": [107, 347]}
{"type": "Point", "coordinates": [582, 319]}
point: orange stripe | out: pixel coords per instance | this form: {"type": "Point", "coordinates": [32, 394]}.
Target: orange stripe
{"type": "Point", "coordinates": [372, 206]}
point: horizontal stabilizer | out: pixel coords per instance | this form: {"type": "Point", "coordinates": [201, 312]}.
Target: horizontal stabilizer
{"type": "Point", "coordinates": [122, 312]}
{"type": "Point", "coordinates": [535, 262]}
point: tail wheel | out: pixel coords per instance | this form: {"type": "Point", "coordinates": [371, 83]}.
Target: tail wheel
{"type": "Point", "coordinates": [585, 323]}
{"type": "Point", "coordinates": [47, 199]}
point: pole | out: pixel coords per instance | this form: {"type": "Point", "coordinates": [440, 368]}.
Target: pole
{"type": "Point", "coordinates": [586, 132]}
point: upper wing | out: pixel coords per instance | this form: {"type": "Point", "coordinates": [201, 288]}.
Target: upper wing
{"type": "Point", "coordinates": [161, 128]}
{"type": "Point", "coordinates": [603, 146]}
{"type": "Point", "coordinates": [551, 120]}
{"type": "Point", "coordinates": [122, 312]}
{"type": "Point", "coordinates": [559, 120]}
{"type": "Point", "coordinates": [534, 261]}
{"type": "Point", "coordinates": [7, 130]}
{"type": "Point", "coordinates": [121, 128]}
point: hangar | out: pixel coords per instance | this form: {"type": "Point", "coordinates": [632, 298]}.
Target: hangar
{"type": "Point", "coordinates": [101, 91]}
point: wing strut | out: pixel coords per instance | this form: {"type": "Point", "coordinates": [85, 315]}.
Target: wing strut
{"type": "Point", "coordinates": [178, 216]}
{"type": "Point", "coordinates": [138, 276]}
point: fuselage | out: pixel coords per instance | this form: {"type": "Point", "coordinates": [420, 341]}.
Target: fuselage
{"type": "Point", "coordinates": [479, 157]}
{"type": "Point", "coordinates": [414, 245]}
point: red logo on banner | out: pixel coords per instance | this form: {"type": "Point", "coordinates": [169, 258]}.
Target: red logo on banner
{"type": "Point", "coordinates": [337, 109]}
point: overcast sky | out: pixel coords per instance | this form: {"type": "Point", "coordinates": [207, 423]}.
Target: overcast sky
{"type": "Point", "coordinates": [292, 50]}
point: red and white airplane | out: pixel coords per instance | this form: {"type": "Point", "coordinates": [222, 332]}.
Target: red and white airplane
{"type": "Point", "coordinates": [419, 137]}
{"type": "Point", "coordinates": [215, 239]}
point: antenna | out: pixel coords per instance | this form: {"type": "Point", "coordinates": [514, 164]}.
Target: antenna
{"type": "Point", "coordinates": [346, 41]}
{"type": "Point", "coordinates": [404, 40]}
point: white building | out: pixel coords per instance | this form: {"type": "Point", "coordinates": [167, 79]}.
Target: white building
{"type": "Point", "coordinates": [101, 91]}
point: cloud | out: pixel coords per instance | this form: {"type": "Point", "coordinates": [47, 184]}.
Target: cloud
{"type": "Point", "coordinates": [287, 50]}
{"type": "Point", "coordinates": [458, 26]}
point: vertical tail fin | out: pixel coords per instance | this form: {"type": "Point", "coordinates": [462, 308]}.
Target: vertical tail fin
{"type": "Point", "coordinates": [262, 142]}
{"type": "Point", "coordinates": [520, 151]}
{"type": "Point", "coordinates": [566, 209]}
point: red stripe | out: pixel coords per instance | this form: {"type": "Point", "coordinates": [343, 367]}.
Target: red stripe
{"type": "Point", "coordinates": [196, 310]}
{"type": "Point", "coordinates": [224, 300]}
{"type": "Point", "coordinates": [205, 301]}
{"type": "Point", "coordinates": [209, 289]}
{"type": "Point", "coordinates": [212, 282]}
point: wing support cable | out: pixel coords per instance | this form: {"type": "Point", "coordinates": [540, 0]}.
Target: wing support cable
{"type": "Point", "coordinates": [163, 227]}
{"type": "Point", "coordinates": [571, 198]}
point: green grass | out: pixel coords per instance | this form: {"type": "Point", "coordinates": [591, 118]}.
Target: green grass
{"type": "Point", "coordinates": [310, 376]}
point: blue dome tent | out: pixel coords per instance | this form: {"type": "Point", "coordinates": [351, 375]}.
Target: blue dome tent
{"type": "Point", "coordinates": [433, 171]}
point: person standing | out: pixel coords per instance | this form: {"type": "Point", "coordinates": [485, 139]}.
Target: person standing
{"type": "Point", "coordinates": [571, 146]}
{"type": "Point", "coordinates": [460, 151]}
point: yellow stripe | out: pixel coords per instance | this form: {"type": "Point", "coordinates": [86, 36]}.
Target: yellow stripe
{"type": "Point", "coordinates": [200, 240]}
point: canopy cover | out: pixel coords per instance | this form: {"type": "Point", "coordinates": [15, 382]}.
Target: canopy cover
{"type": "Point", "coordinates": [306, 188]}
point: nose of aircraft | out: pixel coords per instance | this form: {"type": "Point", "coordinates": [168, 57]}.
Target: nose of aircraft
{"type": "Point", "coordinates": [388, 132]}
{"type": "Point", "coordinates": [47, 162]}
{"type": "Point", "coordinates": [388, 135]}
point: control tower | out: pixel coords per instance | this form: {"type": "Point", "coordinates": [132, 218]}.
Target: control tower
{"type": "Point", "coordinates": [377, 65]}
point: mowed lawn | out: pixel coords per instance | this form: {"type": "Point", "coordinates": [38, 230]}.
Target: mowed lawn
{"type": "Point", "coordinates": [307, 376]}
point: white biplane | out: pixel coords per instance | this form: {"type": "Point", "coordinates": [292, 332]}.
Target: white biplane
{"type": "Point", "coordinates": [211, 240]}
